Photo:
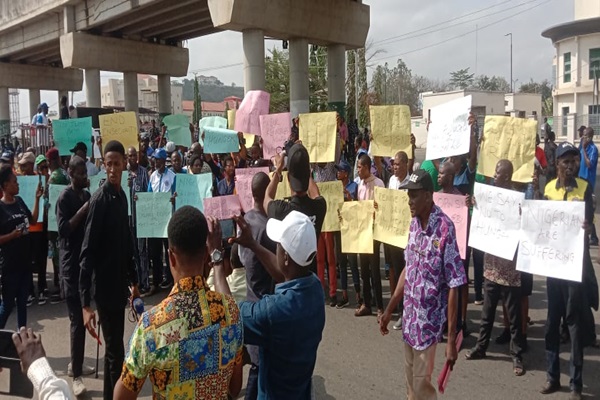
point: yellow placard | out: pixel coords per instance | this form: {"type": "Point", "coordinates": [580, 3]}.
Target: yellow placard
{"type": "Point", "coordinates": [231, 119]}
{"type": "Point", "coordinates": [392, 217]}
{"type": "Point", "coordinates": [333, 192]}
{"type": "Point", "coordinates": [356, 227]}
{"type": "Point", "coordinates": [508, 138]}
{"type": "Point", "coordinates": [283, 189]}
{"type": "Point", "coordinates": [318, 133]}
{"type": "Point", "coordinates": [390, 127]}
{"type": "Point", "coordinates": [122, 127]}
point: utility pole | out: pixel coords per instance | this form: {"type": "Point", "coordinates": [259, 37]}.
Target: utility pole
{"type": "Point", "coordinates": [512, 90]}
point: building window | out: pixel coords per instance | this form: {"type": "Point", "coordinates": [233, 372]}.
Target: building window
{"type": "Point", "coordinates": [594, 117]}
{"type": "Point", "coordinates": [594, 63]}
{"type": "Point", "coordinates": [567, 68]}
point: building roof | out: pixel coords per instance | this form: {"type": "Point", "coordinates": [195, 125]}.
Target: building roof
{"type": "Point", "coordinates": [572, 29]}
{"type": "Point", "coordinates": [209, 106]}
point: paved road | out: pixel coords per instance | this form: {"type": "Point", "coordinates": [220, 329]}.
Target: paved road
{"type": "Point", "coordinates": [356, 362]}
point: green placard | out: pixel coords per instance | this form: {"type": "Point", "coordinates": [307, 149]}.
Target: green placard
{"type": "Point", "coordinates": [153, 213]}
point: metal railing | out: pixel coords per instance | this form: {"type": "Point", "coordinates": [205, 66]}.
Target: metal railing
{"type": "Point", "coordinates": [565, 126]}
{"type": "Point", "coordinates": [36, 136]}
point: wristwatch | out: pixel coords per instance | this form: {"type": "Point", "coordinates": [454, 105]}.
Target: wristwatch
{"type": "Point", "coordinates": [216, 257]}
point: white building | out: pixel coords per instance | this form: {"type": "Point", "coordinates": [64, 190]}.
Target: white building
{"type": "Point", "coordinates": [113, 94]}
{"type": "Point", "coordinates": [521, 105]}
{"type": "Point", "coordinates": [577, 59]}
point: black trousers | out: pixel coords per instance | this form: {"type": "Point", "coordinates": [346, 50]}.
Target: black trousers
{"type": "Point", "coordinates": [77, 333]}
{"type": "Point", "coordinates": [112, 320]}
{"type": "Point", "coordinates": [252, 385]}
{"type": "Point", "coordinates": [155, 250]}
{"type": "Point", "coordinates": [565, 298]}
{"type": "Point", "coordinates": [39, 257]}
{"type": "Point", "coordinates": [370, 273]}
{"type": "Point", "coordinates": [511, 296]}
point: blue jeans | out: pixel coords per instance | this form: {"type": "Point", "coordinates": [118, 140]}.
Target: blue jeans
{"type": "Point", "coordinates": [15, 285]}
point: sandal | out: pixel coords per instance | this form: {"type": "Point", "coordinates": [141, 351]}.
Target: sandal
{"type": "Point", "coordinates": [518, 368]}
{"type": "Point", "coordinates": [362, 311]}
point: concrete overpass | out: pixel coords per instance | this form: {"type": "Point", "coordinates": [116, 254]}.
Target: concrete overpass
{"type": "Point", "coordinates": [62, 37]}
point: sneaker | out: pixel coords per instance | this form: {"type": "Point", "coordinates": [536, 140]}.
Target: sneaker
{"type": "Point", "coordinates": [342, 303]}
{"type": "Point", "coordinates": [398, 325]}
{"type": "Point", "coordinates": [166, 284]}
{"type": "Point", "coordinates": [478, 302]}
{"type": "Point", "coordinates": [55, 299]}
{"type": "Point", "coordinates": [78, 386]}
{"type": "Point", "coordinates": [42, 299]}
{"type": "Point", "coordinates": [333, 301]}
{"type": "Point", "coordinates": [85, 370]}
{"type": "Point", "coordinates": [30, 300]}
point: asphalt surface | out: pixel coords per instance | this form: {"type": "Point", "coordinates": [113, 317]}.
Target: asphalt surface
{"type": "Point", "coordinates": [356, 362]}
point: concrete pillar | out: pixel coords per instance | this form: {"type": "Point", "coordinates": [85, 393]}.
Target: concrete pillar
{"type": "Point", "coordinates": [130, 84]}
{"type": "Point", "coordinates": [336, 77]}
{"type": "Point", "coordinates": [164, 96]}
{"type": "Point", "coordinates": [92, 88]}
{"type": "Point", "coordinates": [34, 102]}
{"type": "Point", "coordinates": [299, 92]}
{"type": "Point", "coordinates": [254, 59]}
{"type": "Point", "coordinates": [4, 113]}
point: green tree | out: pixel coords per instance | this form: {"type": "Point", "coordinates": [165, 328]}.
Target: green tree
{"type": "Point", "coordinates": [545, 89]}
{"type": "Point", "coordinates": [461, 79]}
{"type": "Point", "coordinates": [277, 74]}
{"type": "Point", "coordinates": [197, 114]}
{"type": "Point", "coordinates": [317, 79]}
{"type": "Point", "coordinates": [362, 90]}
{"type": "Point", "coordinates": [351, 85]}
{"type": "Point", "coordinates": [494, 83]}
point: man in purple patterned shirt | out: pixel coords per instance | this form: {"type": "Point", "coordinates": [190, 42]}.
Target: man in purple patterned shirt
{"type": "Point", "coordinates": [429, 285]}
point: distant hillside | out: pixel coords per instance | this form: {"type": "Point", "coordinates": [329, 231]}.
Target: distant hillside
{"type": "Point", "coordinates": [214, 93]}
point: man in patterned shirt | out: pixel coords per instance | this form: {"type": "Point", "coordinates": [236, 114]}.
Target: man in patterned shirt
{"type": "Point", "coordinates": [191, 343]}
{"type": "Point", "coordinates": [502, 280]}
{"type": "Point", "coordinates": [429, 285]}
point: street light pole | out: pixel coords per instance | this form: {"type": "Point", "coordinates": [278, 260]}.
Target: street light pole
{"type": "Point", "coordinates": [512, 90]}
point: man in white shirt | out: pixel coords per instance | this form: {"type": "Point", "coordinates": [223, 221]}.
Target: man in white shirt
{"type": "Point", "coordinates": [35, 364]}
{"type": "Point", "coordinates": [80, 150]}
{"type": "Point", "coordinates": [162, 180]}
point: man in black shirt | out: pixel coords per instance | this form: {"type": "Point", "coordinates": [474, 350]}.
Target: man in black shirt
{"type": "Point", "coordinates": [71, 210]}
{"type": "Point", "coordinates": [107, 252]}
{"type": "Point", "coordinates": [305, 193]}
{"type": "Point", "coordinates": [259, 282]}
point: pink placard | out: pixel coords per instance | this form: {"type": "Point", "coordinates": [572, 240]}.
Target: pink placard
{"type": "Point", "coordinates": [243, 185]}
{"type": "Point", "coordinates": [247, 117]}
{"type": "Point", "coordinates": [275, 129]}
{"type": "Point", "coordinates": [222, 207]}
{"type": "Point", "coordinates": [453, 205]}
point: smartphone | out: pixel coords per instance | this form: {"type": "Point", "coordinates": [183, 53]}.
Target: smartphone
{"type": "Point", "coordinates": [228, 229]}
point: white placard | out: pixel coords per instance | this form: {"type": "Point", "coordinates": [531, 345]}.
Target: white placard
{"type": "Point", "coordinates": [449, 131]}
{"type": "Point", "coordinates": [496, 221]}
{"type": "Point", "coordinates": [552, 239]}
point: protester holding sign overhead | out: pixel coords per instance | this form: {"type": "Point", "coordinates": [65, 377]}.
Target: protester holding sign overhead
{"type": "Point", "coordinates": [305, 193]}
{"type": "Point", "coordinates": [572, 298]}
{"type": "Point", "coordinates": [429, 286]}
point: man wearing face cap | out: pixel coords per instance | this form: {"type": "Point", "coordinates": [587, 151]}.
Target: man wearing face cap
{"type": "Point", "coordinates": [429, 285]}
{"type": "Point", "coordinates": [305, 193]}
{"type": "Point", "coordinates": [287, 325]}
{"type": "Point", "coordinates": [571, 299]}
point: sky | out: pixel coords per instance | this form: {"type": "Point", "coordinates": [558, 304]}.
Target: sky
{"type": "Point", "coordinates": [433, 38]}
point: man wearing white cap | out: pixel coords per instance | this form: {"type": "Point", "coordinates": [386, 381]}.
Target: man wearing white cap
{"type": "Point", "coordinates": [288, 325]}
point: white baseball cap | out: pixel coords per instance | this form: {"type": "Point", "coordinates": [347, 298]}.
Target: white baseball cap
{"type": "Point", "coordinates": [170, 147]}
{"type": "Point", "coordinates": [297, 236]}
